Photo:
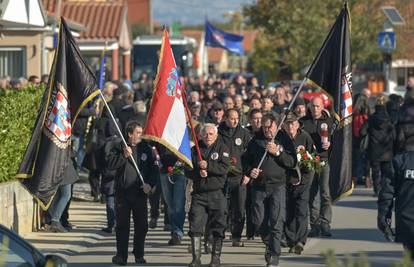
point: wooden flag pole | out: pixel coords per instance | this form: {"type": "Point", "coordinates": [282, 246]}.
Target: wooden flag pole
{"type": "Point", "coordinates": [190, 120]}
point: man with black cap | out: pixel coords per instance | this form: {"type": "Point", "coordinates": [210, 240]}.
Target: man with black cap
{"type": "Point", "coordinates": [297, 190]}
{"type": "Point", "coordinates": [236, 138]}
{"type": "Point", "coordinates": [269, 183]}
{"type": "Point", "coordinates": [299, 107]}
{"type": "Point", "coordinates": [215, 114]}
{"type": "Point", "coordinates": [400, 185]}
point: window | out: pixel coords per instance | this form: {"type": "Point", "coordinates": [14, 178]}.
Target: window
{"type": "Point", "coordinates": [410, 73]}
{"type": "Point", "coordinates": [401, 76]}
{"type": "Point", "coordinates": [12, 254]}
{"type": "Point", "coordinates": [12, 61]}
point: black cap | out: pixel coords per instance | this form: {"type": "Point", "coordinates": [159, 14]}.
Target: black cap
{"type": "Point", "coordinates": [299, 101]}
{"type": "Point", "coordinates": [291, 117]}
{"type": "Point", "coordinates": [217, 106]}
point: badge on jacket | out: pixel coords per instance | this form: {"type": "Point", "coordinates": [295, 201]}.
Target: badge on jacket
{"type": "Point", "coordinates": [214, 156]}
{"type": "Point", "coordinates": [238, 141]}
{"type": "Point", "coordinates": [144, 157]}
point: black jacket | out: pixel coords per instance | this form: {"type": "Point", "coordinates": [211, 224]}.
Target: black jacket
{"type": "Point", "coordinates": [273, 167]}
{"type": "Point", "coordinates": [381, 134]}
{"type": "Point", "coordinates": [108, 175]}
{"type": "Point", "coordinates": [236, 141]}
{"type": "Point", "coordinates": [167, 158]}
{"type": "Point", "coordinates": [313, 127]}
{"type": "Point", "coordinates": [303, 139]}
{"type": "Point", "coordinates": [401, 187]}
{"type": "Point", "coordinates": [405, 129]}
{"type": "Point", "coordinates": [127, 179]}
{"type": "Point", "coordinates": [82, 121]}
{"type": "Point", "coordinates": [218, 163]}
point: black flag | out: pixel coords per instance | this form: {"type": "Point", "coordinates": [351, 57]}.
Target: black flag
{"type": "Point", "coordinates": [331, 70]}
{"type": "Point", "coordinates": [71, 85]}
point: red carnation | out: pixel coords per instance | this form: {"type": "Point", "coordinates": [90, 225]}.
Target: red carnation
{"type": "Point", "coordinates": [233, 161]}
{"type": "Point", "coordinates": [170, 169]}
{"type": "Point", "coordinates": [305, 156]}
{"type": "Point", "coordinates": [317, 158]}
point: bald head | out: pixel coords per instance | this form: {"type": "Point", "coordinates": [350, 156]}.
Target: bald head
{"type": "Point", "coordinates": [316, 107]}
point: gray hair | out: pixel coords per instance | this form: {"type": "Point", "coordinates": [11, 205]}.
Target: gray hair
{"type": "Point", "coordinates": [209, 125]}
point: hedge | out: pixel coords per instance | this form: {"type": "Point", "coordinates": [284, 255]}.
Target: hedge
{"type": "Point", "coordinates": [18, 112]}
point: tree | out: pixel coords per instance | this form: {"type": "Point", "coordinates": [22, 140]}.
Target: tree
{"type": "Point", "coordinates": [292, 32]}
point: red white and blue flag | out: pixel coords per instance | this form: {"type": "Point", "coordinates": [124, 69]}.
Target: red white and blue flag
{"type": "Point", "coordinates": [166, 121]}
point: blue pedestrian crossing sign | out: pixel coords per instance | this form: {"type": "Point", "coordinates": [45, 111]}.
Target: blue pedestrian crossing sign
{"type": "Point", "coordinates": [386, 41]}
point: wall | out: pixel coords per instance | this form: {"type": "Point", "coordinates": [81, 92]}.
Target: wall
{"type": "Point", "coordinates": [17, 208]}
{"type": "Point", "coordinates": [31, 41]}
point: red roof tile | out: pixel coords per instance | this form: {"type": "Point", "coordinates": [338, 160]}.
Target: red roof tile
{"type": "Point", "coordinates": [103, 20]}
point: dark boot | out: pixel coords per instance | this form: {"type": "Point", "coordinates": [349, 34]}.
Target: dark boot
{"type": "Point", "coordinates": [207, 245]}
{"type": "Point", "coordinates": [196, 251]}
{"type": "Point", "coordinates": [315, 231]}
{"type": "Point", "coordinates": [216, 252]}
{"type": "Point", "coordinates": [326, 230]}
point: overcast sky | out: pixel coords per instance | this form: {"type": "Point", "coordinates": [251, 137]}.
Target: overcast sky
{"type": "Point", "coordinates": [193, 12]}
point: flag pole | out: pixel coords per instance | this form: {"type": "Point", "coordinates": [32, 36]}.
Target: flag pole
{"type": "Point", "coordinates": [190, 120]}
{"type": "Point", "coordinates": [283, 118]}
{"type": "Point", "coordinates": [123, 139]}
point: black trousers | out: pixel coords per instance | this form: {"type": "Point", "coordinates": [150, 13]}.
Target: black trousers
{"type": "Point", "coordinates": [297, 213]}
{"type": "Point", "coordinates": [125, 203]}
{"type": "Point", "coordinates": [379, 170]}
{"type": "Point", "coordinates": [268, 210]}
{"type": "Point", "coordinates": [249, 224]}
{"type": "Point", "coordinates": [237, 206]}
{"type": "Point", "coordinates": [94, 177]}
{"type": "Point", "coordinates": [211, 207]}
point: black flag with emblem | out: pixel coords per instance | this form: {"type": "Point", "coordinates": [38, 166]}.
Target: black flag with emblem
{"type": "Point", "coordinates": [71, 85]}
{"type": "Point", "coordinates": [331, 70]}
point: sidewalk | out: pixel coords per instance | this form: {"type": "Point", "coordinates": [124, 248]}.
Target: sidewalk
{"type": "Point", "coordinates": [88, 217]}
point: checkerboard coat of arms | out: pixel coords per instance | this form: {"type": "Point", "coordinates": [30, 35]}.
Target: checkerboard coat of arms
{"type": "Point", "coordinates": [58, 121]}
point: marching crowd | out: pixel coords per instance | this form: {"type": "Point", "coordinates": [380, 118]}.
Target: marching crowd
{"type": "Point", "coordinates": [234, 184]}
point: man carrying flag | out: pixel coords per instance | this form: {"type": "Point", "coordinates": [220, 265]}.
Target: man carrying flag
{"type": "Point", "coordinates": [71, 85]}
{"type": "Point", "coordinates": [331, 70]}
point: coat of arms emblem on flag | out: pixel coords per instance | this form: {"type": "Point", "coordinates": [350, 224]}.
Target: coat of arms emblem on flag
{"type": "Point", "coordinates": [58, 122]}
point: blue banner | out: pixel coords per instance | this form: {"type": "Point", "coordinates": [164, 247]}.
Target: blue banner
{"type": "Point", "coordinates": [217, 38]}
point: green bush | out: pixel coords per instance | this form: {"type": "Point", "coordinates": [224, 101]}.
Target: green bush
{"type": "Point", "coordinates": [361, 260]}
{"type": "Point", "coordinates": [18, 112]}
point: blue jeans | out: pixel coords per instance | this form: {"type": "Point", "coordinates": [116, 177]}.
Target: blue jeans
{"type": "Point", "coordinates": [60, 201]}
{"type": "Point", "coordinates": [110, 211]}
{"type": "Point", "coordinates": [80, 151]}
{"type": "Point", "coordinates": [174, 196]}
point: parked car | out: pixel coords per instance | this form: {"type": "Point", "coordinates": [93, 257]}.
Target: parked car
{"type": "Point", "coordinates": [17, 252]}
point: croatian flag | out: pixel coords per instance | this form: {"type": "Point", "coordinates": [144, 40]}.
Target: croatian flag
{"type": "Point", "coordinates": [166, 121]}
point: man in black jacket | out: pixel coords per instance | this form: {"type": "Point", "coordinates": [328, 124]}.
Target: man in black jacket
{"type": "Point", "coordinates": [319, 125]}
{"type": "Point", "coordinates": [236, 138]}
{"type": "Point", "coordinates": [130, 193]}
{"type": "Point", "coordinates": [297, 196]}
{"type": "Point", "coordinates": [269, 183]}
{"type": "Point", "coordinates": [399, 185]}
{"type": "Point", "coordinates": [208, 200]}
